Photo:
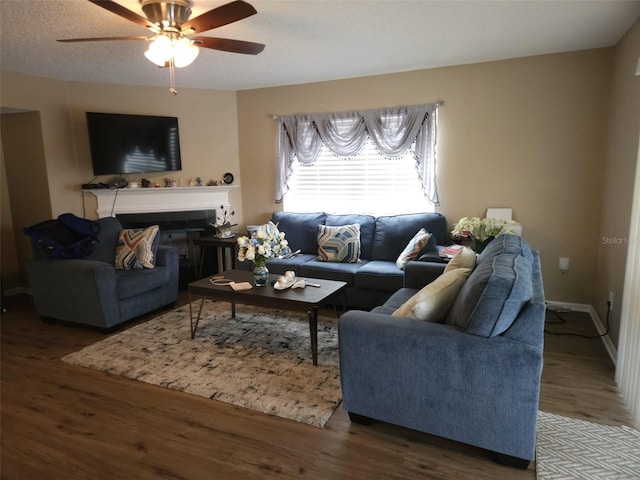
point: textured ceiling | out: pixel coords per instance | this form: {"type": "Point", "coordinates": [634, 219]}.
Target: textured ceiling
{"type": "Point", "coordinates": [307, 40]}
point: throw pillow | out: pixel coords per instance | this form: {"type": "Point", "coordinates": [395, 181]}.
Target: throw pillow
{"type": "Point", "coordinates": [465, 258]}
{"type": "Point", "coordinates": [135, 248]}
{"type": "Point", "coordinates": [267, 228]}
{"type": "Point", "coordinates": [413, 248]}
{"type": "Point", "coordinates": [493, 297]}
{"type": "Point", "coordinates": [339, 244]}
{"type": "Point", "coordinates": [433, 301]}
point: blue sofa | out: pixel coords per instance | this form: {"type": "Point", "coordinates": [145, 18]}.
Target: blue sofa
{"type": "Point", "coordinates": [90, 290]}
{"type": "Point", "coordinates": [376, 277]}
{"type": "Point", "coordinates": [474, 377]}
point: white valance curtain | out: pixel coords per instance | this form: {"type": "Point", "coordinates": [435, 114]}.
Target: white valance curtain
{"type": "Point", "coordinates": [393, 131]}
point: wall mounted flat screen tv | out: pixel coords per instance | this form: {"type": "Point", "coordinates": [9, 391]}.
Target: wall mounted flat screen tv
{"type": "Point", "coordinates": [122, 143]}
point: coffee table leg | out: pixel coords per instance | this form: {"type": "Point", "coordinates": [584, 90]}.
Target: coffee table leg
{"type": "Point", "coordinates": [194, 327]}
{"type": "Point", "coordinates": [313, 333]}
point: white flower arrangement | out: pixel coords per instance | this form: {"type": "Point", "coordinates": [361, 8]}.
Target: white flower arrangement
{"type": "Point", "coordinates": [484, 229]}
{"type": "Point", "coordinates": [262, 246]}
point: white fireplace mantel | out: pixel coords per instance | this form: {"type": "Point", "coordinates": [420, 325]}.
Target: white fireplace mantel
{"type": "Point", "coordinates": [163, 199]}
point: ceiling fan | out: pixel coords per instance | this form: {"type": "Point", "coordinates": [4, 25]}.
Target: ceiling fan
{"type": "Point", "coordinates": [172, 44]}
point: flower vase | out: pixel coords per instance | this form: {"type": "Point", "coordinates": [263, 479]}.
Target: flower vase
{"type": "Point", "coordinates": [260, 274]}
{"type": "Point", "coordinates": [223, 231]}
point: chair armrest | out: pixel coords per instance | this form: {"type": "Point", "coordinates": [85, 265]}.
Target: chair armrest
{"type": "Point", "coordinates": [74, 289]}
{"type": "Point", "coordinates": [417, 274]}
{"type": "Point", "coordinates": [167, 256]}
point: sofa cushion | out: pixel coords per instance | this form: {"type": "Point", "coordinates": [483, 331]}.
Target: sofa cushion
{"type": "Point", "coordinates": [339, 244]}
{"type": "Point", "coordinates": [432, 302]}
{"type": "Point", "coordinates": [493, 296]}
{"type": "Point", "coordinates": [465, 258]}
{"type": "Point", "coordinates": [399, 297]}
{"type": "Point", "coordinates": [506, 243]}
{"type": "Point", "coordinates": [415, 246]}
{"type": "Point", "coordinates": [300, 229]}
{"type": "Point", "coordinates": [367, 229]}
{"type": "Point", "coordinates": [136, 248]}
{"type": "Point", "coordinates": [393, 233]}
{"type": "Point", "coordinates": [343, 272]}
{"type": "Point", "coordinates": [280, 265]}
{"type": "Point", "coordinates": [379, 275]}
{"type": "Point", "coordinates": [131, 283]}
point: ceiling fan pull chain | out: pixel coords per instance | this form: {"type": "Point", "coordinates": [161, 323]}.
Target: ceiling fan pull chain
{"type": "Point", "coordinates": [172, 76]}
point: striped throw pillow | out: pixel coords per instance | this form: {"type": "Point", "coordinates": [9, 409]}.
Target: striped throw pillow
{"type": "Point", "coordinates": [135, 248]}
{"type": "Point", "coordinates": [339, 244]}
{"type": "Point", "coordinates": [414, 247]}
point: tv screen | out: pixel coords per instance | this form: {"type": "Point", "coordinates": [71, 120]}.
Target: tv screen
{"type": "Point", "coordinates": [123, 143]}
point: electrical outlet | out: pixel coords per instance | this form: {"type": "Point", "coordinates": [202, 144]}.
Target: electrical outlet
{"type": "Point", "coordinates": [563, 264]}
{"type": "Point", "coordinates": [610, 301]}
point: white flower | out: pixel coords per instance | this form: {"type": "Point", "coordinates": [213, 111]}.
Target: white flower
{"type": "Point", "coordinates": [261, 246]}
{"type": "Point", "coordinates": [483, 229]}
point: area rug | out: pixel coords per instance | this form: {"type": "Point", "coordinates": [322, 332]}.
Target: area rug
{"type": "Point", "coordinates": [569, 448]}
{"type": "Point", "coordinates": [261, 359]}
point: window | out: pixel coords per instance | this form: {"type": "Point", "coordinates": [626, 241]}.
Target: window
{"type": "Point", "coordinates": [367, 183]}
{"type": "Point", "coordinates": [380, 162]}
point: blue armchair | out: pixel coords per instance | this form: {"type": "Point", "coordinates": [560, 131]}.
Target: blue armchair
{"type": "Point", "coordinates": [90, 290]}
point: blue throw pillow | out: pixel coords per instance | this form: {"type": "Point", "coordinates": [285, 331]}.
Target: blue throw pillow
{"type": "Point", "coordinates": [339, 244]}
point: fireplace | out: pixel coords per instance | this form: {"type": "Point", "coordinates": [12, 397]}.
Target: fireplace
{"type": "Point", "coordinates": [182, 213]}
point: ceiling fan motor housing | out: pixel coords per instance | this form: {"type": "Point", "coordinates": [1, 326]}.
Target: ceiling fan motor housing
{"type": "Point", "coordinates": [170, 14]}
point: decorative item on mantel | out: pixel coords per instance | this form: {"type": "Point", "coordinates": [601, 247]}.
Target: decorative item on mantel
{"type": "Point", "coordinates": [223, 223]}
{"type": "Point", "coordinates": [481, 232]}
{"type": "Point", "coordinates": [260, 247]}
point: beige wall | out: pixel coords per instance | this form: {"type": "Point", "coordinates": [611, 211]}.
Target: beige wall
{"type": "Point", "coordinates": [618, 176]}
{"type": "Point", "coordinates": [9, 265]}
{"type": "Point", "coordinates": [524, 133]}
{"type": "Point", "coordinates": [27, 191]}
{"type": "Point", "coordinates": [208, 136]}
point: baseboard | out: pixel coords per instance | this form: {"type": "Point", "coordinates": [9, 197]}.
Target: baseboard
{"type": "Point", "coordinates": [601, 327]}
{"type": "Point", "coordinates": [597, 322]}
{"type": "Point", "coordinates": [9, 292]}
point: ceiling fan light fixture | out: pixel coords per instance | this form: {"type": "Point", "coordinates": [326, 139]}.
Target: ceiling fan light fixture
{"type": "Point", "coordinates": [163, 49]}
{"type": "Point", "coordinates": [184, 52]}
{"type": "Point", "coordinates": [160, 50]}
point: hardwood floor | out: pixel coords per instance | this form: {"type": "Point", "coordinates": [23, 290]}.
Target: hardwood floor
{"type": "Point", "coordinates": [62, 421]}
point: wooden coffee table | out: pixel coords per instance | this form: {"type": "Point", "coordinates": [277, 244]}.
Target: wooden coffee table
{"type": "Point", "coordinates": [308, 299]}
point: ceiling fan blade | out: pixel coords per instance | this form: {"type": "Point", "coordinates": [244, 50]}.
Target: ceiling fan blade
{"type": "Point", "coordinates": [118, 9]}
{"type": "Point", "coordinates": [229, 45]}
{"type": "Point", "coordinates": [102, 39]}
{"type": "Point", "coordinates": [229, 13]}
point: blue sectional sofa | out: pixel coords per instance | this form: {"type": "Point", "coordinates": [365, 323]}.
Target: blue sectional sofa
{"type": "Point", "coordinates": [376, 277]}
{"type": "Point", "coordinates": [472, 376]}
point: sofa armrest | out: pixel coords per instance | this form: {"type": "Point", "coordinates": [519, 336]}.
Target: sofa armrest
{"type": "Point", "coordinates": [78, 290]}
{"type": "Point", "coordinates": [417, 274]}
{"type": "Point", "coordinates": [167, 256]}
{"type": "Point", "coordinates": [437, 379]}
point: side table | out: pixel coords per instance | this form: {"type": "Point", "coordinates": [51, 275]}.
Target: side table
{"type": "Point", "coordinates": [221, 245]}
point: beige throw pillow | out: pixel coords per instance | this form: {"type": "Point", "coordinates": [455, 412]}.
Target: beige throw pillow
{"type": "Point", "coordinates": [433, 301]}
{"type": "Point", "coordinates": [465, 258]}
